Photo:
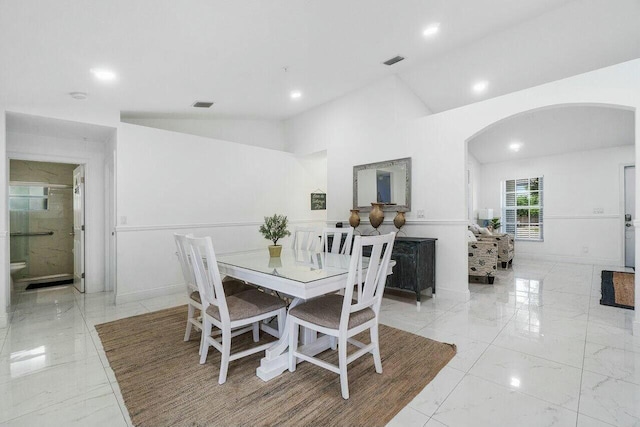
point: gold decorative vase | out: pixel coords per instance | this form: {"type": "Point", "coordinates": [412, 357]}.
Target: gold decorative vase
{"type": "Point", "coordinates": [399, 220]}
{"type": "Point", "coordinates": [275, 251]}
{"type": "Point", "coordinates": [376, 216]}
{"type": "Point", "coordinates": [354, 219]}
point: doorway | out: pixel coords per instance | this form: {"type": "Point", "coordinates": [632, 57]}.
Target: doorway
{"type": "Point", "coordinates": [42, 220]}
{"type": "Point", "coordinates": [629, 216]}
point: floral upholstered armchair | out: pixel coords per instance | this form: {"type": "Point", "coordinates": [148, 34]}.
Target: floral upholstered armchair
{"type": "Point", "coordinates": [506, 246]}
{"type": "Point", "coordinates": [483, 258]}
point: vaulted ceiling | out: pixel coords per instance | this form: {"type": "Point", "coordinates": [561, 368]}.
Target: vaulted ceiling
{"type": "Point", "coordinates": [248, 56]}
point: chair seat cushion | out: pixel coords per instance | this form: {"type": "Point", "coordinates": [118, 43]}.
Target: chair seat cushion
{"type": "Point", "coordinates": [196, 297]}
{"type": "Point", "coordinates": [234, 286]}
{"type": "Point", "coordinates": [248, 304]}
{"type": "Point", "coordinates": [231, 287]}
{"type": "Point", "coordinates": [326, 310]}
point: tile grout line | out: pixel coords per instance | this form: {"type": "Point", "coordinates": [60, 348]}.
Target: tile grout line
{"type": "Point", "coordinates": [466, 373]}
{"type": "Point", "coordinates": [584, 349]}
{"type": "Point", "coordinates": [104, 368]}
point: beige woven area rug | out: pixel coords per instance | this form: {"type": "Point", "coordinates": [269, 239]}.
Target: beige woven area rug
{"type": "Point", "coordinates": [164, 385]}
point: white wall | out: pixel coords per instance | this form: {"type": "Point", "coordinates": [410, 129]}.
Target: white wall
{"type": "Point", "coordinates": [367, 126]}
{"type": "Point", "coordinates": [91, 153]}
{"type": "Point", "coordinates": [261, 133]}
{"type": "Point", "coordinates": [575, 185]}
{"type": "Point", "coordinates": [474, 168]}
{"type": "Point", "coordinates": [169, 182]}
{"type": "Point", "coordinates": [5, 290]}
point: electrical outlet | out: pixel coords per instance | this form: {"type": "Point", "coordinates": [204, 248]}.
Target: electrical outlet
{"type": "Point", "coordinates": [420, 213]}
{"type": "Point", "coordinates": [598, 210]}
{"type": "Point", "coordinates": [123, 220]}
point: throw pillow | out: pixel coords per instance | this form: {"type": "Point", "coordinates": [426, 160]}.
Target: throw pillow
{"type": "Point", "coordinates": [474, 228]}
{"type": "Point", "coordinates": [471, 237]}
{"type": "Point", "coordinates": [485, 231]}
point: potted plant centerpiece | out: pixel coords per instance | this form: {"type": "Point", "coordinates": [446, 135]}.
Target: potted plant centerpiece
{"type": "Point", "coordinates": [495, 225]}
{"type": "Point", "coordinates": [275, 228]}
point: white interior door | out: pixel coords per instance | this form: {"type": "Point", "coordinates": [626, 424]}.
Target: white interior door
{"type": "Point", "coordinates": [630, 216]}
{"type": "Point", "coordinates": [78, 228]}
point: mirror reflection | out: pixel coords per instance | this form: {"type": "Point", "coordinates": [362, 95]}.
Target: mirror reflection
{"type": "Point", "coordinates": [383, 182]}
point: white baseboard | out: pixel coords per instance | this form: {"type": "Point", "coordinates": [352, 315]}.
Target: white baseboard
{"type": "Point", "coordinates": [566, 258]}
{"type": "Point", "coordinates": [150, 293]}
{"type": "Point", "coordinates": [453, 294]}
{"type": "Point", "coordinates": [4, 320]}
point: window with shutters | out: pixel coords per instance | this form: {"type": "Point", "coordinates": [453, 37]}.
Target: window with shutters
{"type": "Point", "coordinates": [522, 208]}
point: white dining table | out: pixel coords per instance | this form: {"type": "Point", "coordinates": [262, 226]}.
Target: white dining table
{"type": "Point", "coordinates": [301, 275]}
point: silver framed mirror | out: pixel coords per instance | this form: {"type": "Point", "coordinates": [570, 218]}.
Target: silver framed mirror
{"type": "Point", "coordinates": [386, 182]}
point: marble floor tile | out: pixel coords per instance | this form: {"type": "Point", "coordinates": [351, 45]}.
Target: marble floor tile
{"type": "Point", "coordinates": [98, 408]}
{"type": "Point", "coordinates": [432, 396]}
{"type": "Point", "coordinates": [162, 302]}
{"type": "Point", "coordinates": [612, 362]}
{"type": "Point", "coordinates": [434, 423]}
{"type": "Point", "coordinates": [50, 386]}
{"type": "Point", "coordinates": [530, 375]}
{"type": "Point", "coordinates": [610, 400]}
{"type": "Point", "coordinates": [21, 360]}
{"type": "Point", "coordinates": [489, 309]}
{"type": "Point", "coordinates": [585, 421]}
{"type": "Point", "coordinates": [613, 336]}
{"type": "Point", "coordinates": [408, 417]}
{"type": "Point", "coordinates": [549, 321]}
{"type": "Point", "coordinates": [477, 402]}
{"type": "Point", "coordinates": [408, 321]}
{"type": "Point", "coordinates": [467, 325]}
{"type": "Point", "coordinates": [525, 339]}
{"type": "Point", "coordinates": [468, 350]}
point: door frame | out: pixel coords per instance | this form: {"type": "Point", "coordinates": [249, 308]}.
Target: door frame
{"type": "Point", "coordinates": [50, 159]}
{"type": "Point", "coordinates": [621, 221]}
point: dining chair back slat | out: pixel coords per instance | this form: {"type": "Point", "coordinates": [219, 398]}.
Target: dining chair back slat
{"type": "Point", "coordinates": [208, 279]}
{"type": "Point", "coordinates": [305, 239]}
{"type": "Point", "coordinates": [336, 234]}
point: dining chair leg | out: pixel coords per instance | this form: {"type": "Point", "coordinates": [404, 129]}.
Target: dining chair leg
{"type": "Point", "coordinates": [206, 335]}
{"type": "Point", "coordinates": [293, 344]}
{"type": "Point", "coordinates": [190, 315]}
{"type": "Point", "coordinates": [256, 332]}
{"type": "Point", "coordinates": [282, 315]}
{"type": "Point", "coordinates": [376, 348]}
{"type": "Point", "coordinates": [226, 353]}
{"type": "Point", "coordinates": [333, 342]}
{"type": "Point", "coordinates": [342, 363]}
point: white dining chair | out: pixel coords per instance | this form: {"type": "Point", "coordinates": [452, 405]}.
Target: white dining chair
{"type": "Point", "coordinates": [343, 317]}
{"type": "Point", "coordinates": [234, 314]}
{"type": "Point", "coordinates": [231, 286]}
{"type": "Point", "coordinates": [305, 239]}
{"type": "Point", "coordinates": [337, 234]}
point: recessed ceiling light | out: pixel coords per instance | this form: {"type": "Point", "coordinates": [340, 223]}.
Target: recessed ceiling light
{"type": "Point", "coordinates": [78, 95]}
{"type": "Point", "coordinates": [103, 74]}
{"type": "Point", "coordinates": [515, 146]}
{"type": "Point", "coordinates": [295, 94]}
{"type": "Point", "coordinates": [480, 87]}
{"type": "Point", "coordinates": [431, 30]}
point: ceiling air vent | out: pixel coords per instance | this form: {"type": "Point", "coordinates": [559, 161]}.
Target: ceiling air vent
{"type": "Point", "coordinates": [393, 60]}
{"type": "Point", "coordinates": [202, 104]}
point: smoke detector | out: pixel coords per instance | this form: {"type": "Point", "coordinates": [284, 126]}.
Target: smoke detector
{"type": "Point", "coordinates": [78, 95]}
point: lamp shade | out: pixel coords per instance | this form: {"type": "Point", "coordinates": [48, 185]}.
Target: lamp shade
{"type": "Point", "coordinates": [485, 214]}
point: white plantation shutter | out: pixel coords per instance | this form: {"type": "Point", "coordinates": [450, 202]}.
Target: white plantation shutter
{"type": "Point", "coordinates": [522, 208]}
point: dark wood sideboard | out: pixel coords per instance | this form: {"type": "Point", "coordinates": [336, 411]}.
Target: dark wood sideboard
{"type": "Point", "coordinates": [415, 268]}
